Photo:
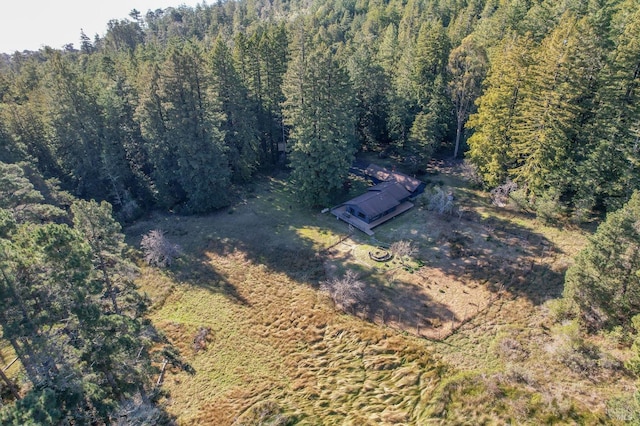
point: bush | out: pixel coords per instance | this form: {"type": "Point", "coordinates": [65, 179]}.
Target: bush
{"type": "Point", "coordinates": [346, 292]}
{"type": "Point", "coordinates": [582, 210]}
{"type": "Point", "coordinates": [470, 173]}
{"type": "Point", "coordinates": [548, 208]}
{"type": "Point", "coordinates": [500, 194]}
{"type": "Point", "coordinates": [510, 349]}
{"type": "Point", "coordinates": [624, 409]}
{"type": "Point", "coordinates": [158, 251]}
{"type": "Point", "coordinates": [402, 249]}
{"type": "Point", "coordinates": [519, 200]}
{"type": "Point", "coordinates": [561, 310]}
{"type": "Point", "coordinates": [440, 201]}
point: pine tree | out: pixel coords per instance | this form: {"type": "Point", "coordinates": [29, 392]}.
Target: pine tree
{"type": "Point", "coordinates": [182, 124]}
{"type": "Point", "coordinates": [541, 131]}
{"type": "Point", "coordinates": [372, 87]}
{"type": "Point", "coordinates": [604, 282]}
{"type": "Point", "coordinates": [43, 283]}
{"type": "Point", "coordinates": [490, 144]}
{"type": "Point", "coordinates": [114, 275]}
{"type": "Point", "coordinates": [429, 128]}
{"type": "Point", "coordinates": [318, 108]}
{"type": "Point", "coordinates": [609, 171]}
{"type": "Point", "coordinates": [125, 162]}
{"type": "Point", "coordinates": [239, 123]}
{"type": "Point", "coordinates": [73, 318]}
{"type": "Point", "coordinates": [76, 120]}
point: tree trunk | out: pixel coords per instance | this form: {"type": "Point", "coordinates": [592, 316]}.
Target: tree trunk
{"type": "Point", "coordinates": [12, 387]}
{"type": "Point", "coordinates": [458, 137]}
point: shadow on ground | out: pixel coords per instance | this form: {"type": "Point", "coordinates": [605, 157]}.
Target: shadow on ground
{"type": "Point", "coordinates": [493, 252]}
{"type": "Point", "coordinates": [262, 227]}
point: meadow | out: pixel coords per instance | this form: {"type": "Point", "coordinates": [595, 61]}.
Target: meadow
{"type": "Point", "coordinates": [463, 331]}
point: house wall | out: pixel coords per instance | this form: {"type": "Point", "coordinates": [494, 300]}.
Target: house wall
{"type": "Point", "coordinates": [356, 212]}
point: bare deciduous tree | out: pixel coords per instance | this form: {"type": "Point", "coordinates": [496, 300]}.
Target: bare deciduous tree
{"type": "Point", "coordinates": [470, 172]}
{"type": "Point", "coordinates": [158, 251]}
{"type": "Point", "coordinates": [440, 201]}
{"type": "Point", "coordinates": [500, 194]}
{"type": "Point", "coordinates": [403, 248]}
{"type": "Point", "coordinates": [346, 292]}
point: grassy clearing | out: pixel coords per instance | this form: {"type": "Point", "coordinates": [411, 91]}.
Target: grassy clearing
{"type": "Point", "coordinates": [459, 333]}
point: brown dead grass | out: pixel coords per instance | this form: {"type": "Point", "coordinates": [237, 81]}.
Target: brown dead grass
{"type": "Point", "coordinates": [285, 343]}
{"type": "Point", "coordinates": [277, 347]}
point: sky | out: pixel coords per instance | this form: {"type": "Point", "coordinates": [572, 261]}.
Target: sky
{"type": "Point", "coordinates": [31, 24]}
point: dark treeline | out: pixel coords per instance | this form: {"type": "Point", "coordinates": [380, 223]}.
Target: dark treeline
{"type": "Point", "coordinates": [171, 108]}
{"type": "Point", "coordinates": [174, 108]}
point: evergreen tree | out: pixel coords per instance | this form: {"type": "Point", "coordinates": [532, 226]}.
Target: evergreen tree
{"type": "Point", "coordinates": [542, 129]}
{"type": "Point", "coordinates": [429, 128]}
{"type": "Point", "coordinates": [239, 123]}
{"type": "Point", "coordinates": [610, 170]}
{"type": "Point", "coordinates": [490, 145]}
{"type": "Point", "coordinates": [73, 318]}
{"type": "Point", "coordinates": [114, 275]}
{"type": "Point", "coordinates": [43, 281]}
{"type": "Point", "coordinates": [372, 87]}
{"type": "Point", "coordinates": [318, 107]}
{"type": "Point", "coordinates": [125, 164]}
{"type": "Point", "coordinates": [182, 126]}
{"type": "Point", "coordinates": [604, 282]}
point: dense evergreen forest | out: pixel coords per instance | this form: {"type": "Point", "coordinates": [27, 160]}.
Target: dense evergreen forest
{"type": "Point", "coordinates": [172, 108]}
{"type": "Point", "coordinates": [175, 108]}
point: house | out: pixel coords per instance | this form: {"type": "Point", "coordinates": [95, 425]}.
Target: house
{"type": "Point", "coordinates": [380, 200]}
{"type": "Point", "coordinates": [380, 203]}
{"type": "Point", "coordinates": [380, 174]}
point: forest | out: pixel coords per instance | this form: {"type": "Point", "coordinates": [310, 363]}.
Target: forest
{"type": "Point", "coordinates": [183, 110]}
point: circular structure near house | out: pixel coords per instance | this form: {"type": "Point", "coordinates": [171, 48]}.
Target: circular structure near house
{"type": "Point", "coordinates": [380, 255]}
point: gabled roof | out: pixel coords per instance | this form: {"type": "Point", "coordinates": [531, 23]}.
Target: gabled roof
{"type": "Point", "coordinates": [386, 175]}
{"type": "Point", "coordinates": [396, 189]}
{"type": "Point", "coordinates": [380, 198]}
{"type": "Point", "coordinates": [373, 203]}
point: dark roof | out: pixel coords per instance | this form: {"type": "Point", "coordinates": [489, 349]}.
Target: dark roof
{"type": "Point", "coordinates": [396, 189]}
{"type": "Point", "coordinates": [386, 175]}
{"type": "Point", "coordinates": [374, 203]}
{"type": "Point", "coordinates": [380, 198]}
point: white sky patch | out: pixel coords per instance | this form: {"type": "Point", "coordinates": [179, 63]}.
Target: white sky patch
{"type": "Point", "coordinates": [32, 24]}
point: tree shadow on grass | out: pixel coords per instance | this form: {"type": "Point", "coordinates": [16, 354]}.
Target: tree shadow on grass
{"type": "Point", "coordinates": [265, 229]}
{"type": "Point", "coordinates": [406, 306]}
{"type": "Point", "coordinates": [262, 230]}
{"type": "Point", "coordinates": [197, 271]}
{"type": "Point", "coordinates": [495, 252]}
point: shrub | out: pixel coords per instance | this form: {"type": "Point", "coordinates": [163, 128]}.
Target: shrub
{"type": "Point", "coordinates": [403, 248]}
{"type": "Point", "coordinates": [500, 194]}
{"type": "Point", "coordinates": [158, 251]}
{"type": "Point", "coordinates": [470, 172]}
{"type": "Point", "coordinates": [519, 200]}
{"type": "Point", "coordinates": [440, 201]}
{"type": "Point", "coordinates": [561, 310]}
{"type": "Point", "coordinates": [511, 349]}
{"type": "Point", "coordinates": [548, 208]}
{"type": "Point", "coordinates": [346, 292]}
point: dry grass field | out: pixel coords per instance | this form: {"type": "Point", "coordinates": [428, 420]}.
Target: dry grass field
{"type": "Point", "coordinates": [462, 332]}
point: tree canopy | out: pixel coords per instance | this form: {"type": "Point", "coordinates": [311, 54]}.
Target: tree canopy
{"type": "Point", "coordinates": [604, 282]}
{"type": "Point", "coordinates": [173, 108]}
